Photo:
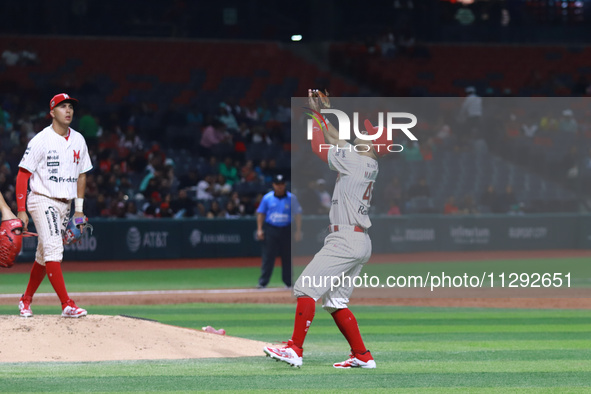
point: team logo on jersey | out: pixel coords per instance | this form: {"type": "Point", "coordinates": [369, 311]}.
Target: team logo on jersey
{"type": "Point", "coordinates": [77, 157]}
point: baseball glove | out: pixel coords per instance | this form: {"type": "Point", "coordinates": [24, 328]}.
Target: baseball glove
{"type": "Point", "coordinates": [318, 100]}
{"type": "Point", "coordinates": [75, 228]}
{"type": "Point", "coordinates": [11, 241]}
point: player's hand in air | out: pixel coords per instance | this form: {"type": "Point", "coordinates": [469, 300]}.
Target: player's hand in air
{"type": "Point", "coordinates": [318, 100]}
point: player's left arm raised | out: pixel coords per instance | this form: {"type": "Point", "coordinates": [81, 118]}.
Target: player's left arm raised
{"type": "Point", "coordinates": [318, 100]}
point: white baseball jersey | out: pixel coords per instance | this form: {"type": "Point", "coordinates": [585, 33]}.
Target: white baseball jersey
{"type": "Point", "coordinates": [351, 198]}
{"type": "Point", "coordinates": [56, 163]}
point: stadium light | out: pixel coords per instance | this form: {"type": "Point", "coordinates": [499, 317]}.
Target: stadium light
{"type": "Point", "coordinates": [296, 37]}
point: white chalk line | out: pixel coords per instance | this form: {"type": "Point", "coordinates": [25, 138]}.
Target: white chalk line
{"type": "Point", "coordinates": [153, 292]}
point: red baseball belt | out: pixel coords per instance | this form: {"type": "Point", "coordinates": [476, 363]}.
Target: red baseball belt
{"type": "Point", "coordinates": [333, 228]}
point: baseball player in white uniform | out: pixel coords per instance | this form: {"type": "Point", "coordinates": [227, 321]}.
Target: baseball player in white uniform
{"type": "Point", "coordinates": [55, 162]}
{"type": "Point", "coordinates": [346, 249]}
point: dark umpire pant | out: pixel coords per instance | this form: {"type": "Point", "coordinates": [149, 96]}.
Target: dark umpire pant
{"type": "Point", "coordinates": [277, 242]}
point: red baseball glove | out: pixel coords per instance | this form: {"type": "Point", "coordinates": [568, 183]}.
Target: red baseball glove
{"type": "Point", "coordinates": [11, 241]}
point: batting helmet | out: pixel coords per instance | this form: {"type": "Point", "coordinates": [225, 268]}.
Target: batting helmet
{"type": "Point", "coordinates": [11, 241]}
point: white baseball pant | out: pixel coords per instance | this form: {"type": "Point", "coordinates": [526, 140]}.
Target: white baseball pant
{"type": "Point", "coordinates": [343, 255]}
{"type": "Point", "coordinates": [50, 216]}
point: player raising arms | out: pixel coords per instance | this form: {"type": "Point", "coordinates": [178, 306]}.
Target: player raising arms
{"type": "Point", "coordinates": [56, 162]}
{"type": "Point", "coordinates": [346, 249]}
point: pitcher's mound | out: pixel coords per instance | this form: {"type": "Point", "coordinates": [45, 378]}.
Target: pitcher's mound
{"type": "Point", "coordinates": [102, 338]}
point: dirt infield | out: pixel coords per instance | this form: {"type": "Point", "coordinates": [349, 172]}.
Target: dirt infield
{"type": "Point", "coordinates": [98, 338]}
{"type": "Point", "coordinates": [284, 296]}
{"type": "Point", "coordinates": [108, 338]}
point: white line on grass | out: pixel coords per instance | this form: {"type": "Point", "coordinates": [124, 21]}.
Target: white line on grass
{"type": "Point", "coordinates": [153, 292]}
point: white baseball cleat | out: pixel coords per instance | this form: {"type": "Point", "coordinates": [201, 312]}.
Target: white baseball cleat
{"type": "Point", "coordinates": [71, 310]}
{"type": "Point", "coordinates": [354, 362]}
{"type": "Point", "coordinates": [24, 305]}
{"type": "Point", "coordinates": [288, 354]}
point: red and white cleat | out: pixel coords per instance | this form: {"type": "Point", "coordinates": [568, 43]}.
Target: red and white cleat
{"type": "Point", "coordinates": [362, 361]}
{"type": "Point", "coordinates": [71, 310]}
{"type": "Point", "coordinates": [24, 305]}
{"type": "Point", "coordinates": [290, 354]}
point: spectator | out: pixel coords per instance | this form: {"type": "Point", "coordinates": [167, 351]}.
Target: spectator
{"type": "Point", "coordinates": [428, 149]}
{"type": "Point", "coordinates": [239, 203]}
{"type": "Point", "coordinates": [517, 209]}
{"type": "Point", "coordinates": [251, 114]}
{"type": "Point", "coordinates": [568, 123]}
{"type": "Point", "coordinates": [165, 209]}
{"type": "Point", "coordinates": [263, 172]}
{"type": "Point", "coordinates": [469, 117]}
{"type": "Point", "coordinates": [420, 189]}
{"type": "Point", "coordinates": [450, 207]}
{"type": "Point", "coordinates": [412, 152]}
{"type": "Point", "coordinates": [205, 188]}
{"type": "Point", "coordinates": [10, 57]}
{"type": "Point", "coordinates": [530, 126]}
{"type": "Point", "coordinates": [393, 190]}
{"type": "Point", "coordinates": [221, 186]}
{"type": "Point", "coordinates": [132, 211]}
{"type": "Point", "coordinates": [505, 201]}
{"type": "Point", "coordinates": [228, 119]}
{"type": "Point", "coordinates": [182, 206]}
{"type": "Point", "coordinates": [259, 136]}
{"type": "Point", "coordinates": [152, 207]}
{"type": "Point", "coordinates": [232, 211]}
{"type": "Point", "coordinates": [247, 172]}
{"type": "Point", "coordinates": [394, 209]}
{"type": "Point", "coordinates": [189, 179]}
{"type": "Point", "coordinates": [243, 133]}
{"type": "Point", "coordinates": [212, 136]}
{"type": "Point", "coordinates": [229, 171]}
{"type": "Point", "coordinates": [210, 167]}
{"type": "Point", "coordinates": [194, 116]}
{"type": "Point", "coordinates": [283, 111]}
{"type": "Point", "coordinates": [264, 113]}
{"type": "Point", "coordinates": [129, 143]}
{"type": "Point", "coordinates": [468, 206]}
{"type": "Point", "coordinates": [569, 165]}
{"type": "Point", "coordinates": [89, 127]}
{"type": "Point", "coordinates": [488, 198]}
{"type": "Point", "coordinates": [215, 210]}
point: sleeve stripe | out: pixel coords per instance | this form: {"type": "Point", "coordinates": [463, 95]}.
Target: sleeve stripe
{"type": "Point", "coordinates": [26, 168]}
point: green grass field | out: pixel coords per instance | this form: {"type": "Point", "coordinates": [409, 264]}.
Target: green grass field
{"type": "Point", "coordinates": [417, 349]}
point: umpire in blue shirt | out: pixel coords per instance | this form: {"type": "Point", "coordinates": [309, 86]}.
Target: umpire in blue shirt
{"type": "Point", "coordinates": [274, 217]}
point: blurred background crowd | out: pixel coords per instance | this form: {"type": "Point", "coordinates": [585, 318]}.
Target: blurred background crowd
{"type": "Point", "coordinates": [186, 108]}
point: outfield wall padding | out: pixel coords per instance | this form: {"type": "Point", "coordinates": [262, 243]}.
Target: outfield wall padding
{"type": "Point", "coordinates": [206, 238]}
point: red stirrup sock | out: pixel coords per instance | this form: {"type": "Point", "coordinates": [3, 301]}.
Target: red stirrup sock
{"type": "Point", "coordinates": [305, 310]}
{"type": "Point", "coordinates": [54, 273]}
{"type": "Point", "coordinates": [347, 323]}
{"type": "Point", "coordinates": [35, 279]}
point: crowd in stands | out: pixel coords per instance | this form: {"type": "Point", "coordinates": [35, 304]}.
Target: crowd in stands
{"type": "Point", "coordinates": [223, 167]}
{"type": "Point", "coordinates": [209, 175]}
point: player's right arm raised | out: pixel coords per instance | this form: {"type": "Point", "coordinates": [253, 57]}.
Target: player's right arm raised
{"type": "Point", "coordinates": [318, 100]}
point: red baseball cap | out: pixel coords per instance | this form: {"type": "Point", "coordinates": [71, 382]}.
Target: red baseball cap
{"type": "Point", "coordinates": [60, 98]}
